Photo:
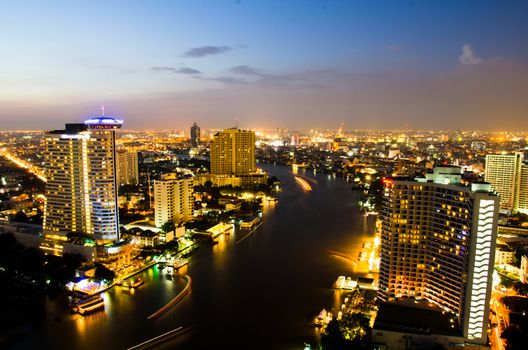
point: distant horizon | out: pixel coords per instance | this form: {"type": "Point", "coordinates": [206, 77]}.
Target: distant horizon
{"type": "Point", "coordinates": [344, 130]}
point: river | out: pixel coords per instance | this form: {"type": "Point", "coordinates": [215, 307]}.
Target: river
{"type": "Point", "coordinates": [260, 293]}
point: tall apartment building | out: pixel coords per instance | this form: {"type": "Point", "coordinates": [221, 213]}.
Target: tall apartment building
{"type": "Point", "coordinates": [509, 177]}
{"type": "Point", "coordinates": [81, 191]}
{"type": "Point", "coordinates": [173, 199]}
{"type": "Point", "coordinates": [233, 152]}
{"type": "Point", "coordinates": [195, 135]}
{"type": "Point", "coordinates": [523, 193]}
{"type": "Point", "coordinates": [127, 167]}
{"type": "Point", "coordinates": [438, 244]}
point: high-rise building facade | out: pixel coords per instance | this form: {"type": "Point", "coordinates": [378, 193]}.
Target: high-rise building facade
{"type": "Point", "coordinates": [233, 152]}
{"type": "Point", "coordinates": [295, 140]}
{"type": "Point", "coordinates": [81, 191]}
{"type": "Point", "coordinates": [504, 173]}
{"type": "Point", "coordinates": [127, 167]}
{"type": "Point", "coordinates": [195, 135]}
{"type": "Point", "coordinates": [523, 192]}
{"type": "Point", "coordinates": [438, 244]}
{"type": "Point", "coordinates": [173, 199]}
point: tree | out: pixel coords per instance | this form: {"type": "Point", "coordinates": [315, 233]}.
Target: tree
{"type": "Point", "coordinates": [21, 217]}
{"type": "Point", "coordinates": [8, 244]}
{"type": "Point", "coordinates": [272, 180]}
{"type": "Point", "coordinates": [37, 218]}
{"type": "Point", "coordinates": [351, 332]}
{"type": "Point", "coordinates": [515, 339]}
{"type": "Point", "coordinates": [102, 272]}
{"type": "Point", "coordinates": [168, 226]}
{"type": "Point", "coordinates": [520, 287]}
{"type": "Point", "coordinates": [333, 338]}
{"type": "Point", "coordinates": [127, 189]}
{"type": "Point", "coordinates": [506, 282]}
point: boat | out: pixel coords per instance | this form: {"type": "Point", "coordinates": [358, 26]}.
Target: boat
{"type": "Point", "coordinates": [180, 263]}
{"type": "Point", "coordinates": [249, 222]}
{"type": "Point", "coordinates": [137, 282]}
{"type": "Point", "coordinates": [172, 270]}
{"type": "Point", "coordinates": [134, 284]}
{"type": "Point", "coordinates": [89, 305]}
{"type": "Point", "coordinates": [320, 319]}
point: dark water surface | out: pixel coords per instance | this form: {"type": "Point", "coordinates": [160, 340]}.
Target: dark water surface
{"type": "Point", "coordinates": [260, 293]}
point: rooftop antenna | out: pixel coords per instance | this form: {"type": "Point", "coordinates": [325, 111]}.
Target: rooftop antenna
{"type": "Point", "coordinates": [102, 111]}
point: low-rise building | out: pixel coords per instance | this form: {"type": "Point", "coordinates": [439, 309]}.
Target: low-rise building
{"type": "Point", "coordinates": [233, 206]}
{"type": "Point", "coordinates": [115, 255]}
{"type": "Point", "coordinates": [166, 237]}
{"type": "Point", "coordinates": [219, 229]}
{"type": "Point", "coordinates": [504, 255]}
{"type": "Point", "coordinates": [402, 326]}
{"type": "Point", "coordinates": [30, 235]}
{"type": "Point", "coordinates": [230, 203]}
{"type": "Point", "coordinates": [146, 239]}
{"type": "Point", "coordinates": [219, 180]}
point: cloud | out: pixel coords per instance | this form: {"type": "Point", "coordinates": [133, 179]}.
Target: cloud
{"type": "Point", "coordinates": [245, 70]}
{"type": "Point", "coordinates": [487, 96]}
{"type": "Point", "coordinates": [226, 80]}
{"type": "Point", "coordinates": [469, 56]}
{"type": "Point", "coordinates": [251, 76]}
{"type": "Point", "coordinates": [308, 79]}
{"type": "Point", "coordinates": [197, 52]}
{"type": "Point", "coordinates": [187, 70]}
{"type": "Point", "coordinates": [302, 79]}
{"type": "Point", "coordinates": [182, 70]}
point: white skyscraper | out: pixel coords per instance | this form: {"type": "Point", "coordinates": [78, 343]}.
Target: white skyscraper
{"type": "Point", "coordinates": [505, 173]}
{"type": "Point", "coordinates": [173, 199]}
{"type": "Point", "coordinates": [81, 191]}
{"type": "Point", "coordinates": [438, 244]}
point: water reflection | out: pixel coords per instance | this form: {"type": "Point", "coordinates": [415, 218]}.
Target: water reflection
{"type": "Point", "coordinates": [238, 290]}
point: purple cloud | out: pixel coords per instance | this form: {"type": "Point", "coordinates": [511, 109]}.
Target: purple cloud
{"type": "Point", "coordinates": [182, 70]}
{"type": "Point", "coordinates": [197, 52]}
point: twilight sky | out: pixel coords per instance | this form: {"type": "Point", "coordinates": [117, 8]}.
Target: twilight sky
{"type": "Point", "coordinates": [285, 63]}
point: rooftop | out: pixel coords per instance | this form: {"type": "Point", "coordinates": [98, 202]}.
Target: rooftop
{"type": "Point", "coordinates": [103, 120]}
{"type": "Point", "coordinates": [417, 319]}
{"type": "Point", "coordinates": [103, 123]}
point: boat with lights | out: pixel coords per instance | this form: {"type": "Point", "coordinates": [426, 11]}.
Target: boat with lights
{"type": "Point", "coordinates": [90, 305]}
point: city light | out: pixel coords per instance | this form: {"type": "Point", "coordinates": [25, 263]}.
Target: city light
{"type": "Point", "coordinates": [264, 175]}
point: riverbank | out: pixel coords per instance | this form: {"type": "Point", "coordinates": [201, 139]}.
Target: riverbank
{"type": "Point", "coordinates": [247, 295]}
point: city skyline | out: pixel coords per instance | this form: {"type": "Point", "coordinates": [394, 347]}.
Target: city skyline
{"type": "Point", "coordinates": [391, 200]}
{"type": "Point", "coordinates": [410, 65]}
{"type": "Point", "coordinates": [279, 174]}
